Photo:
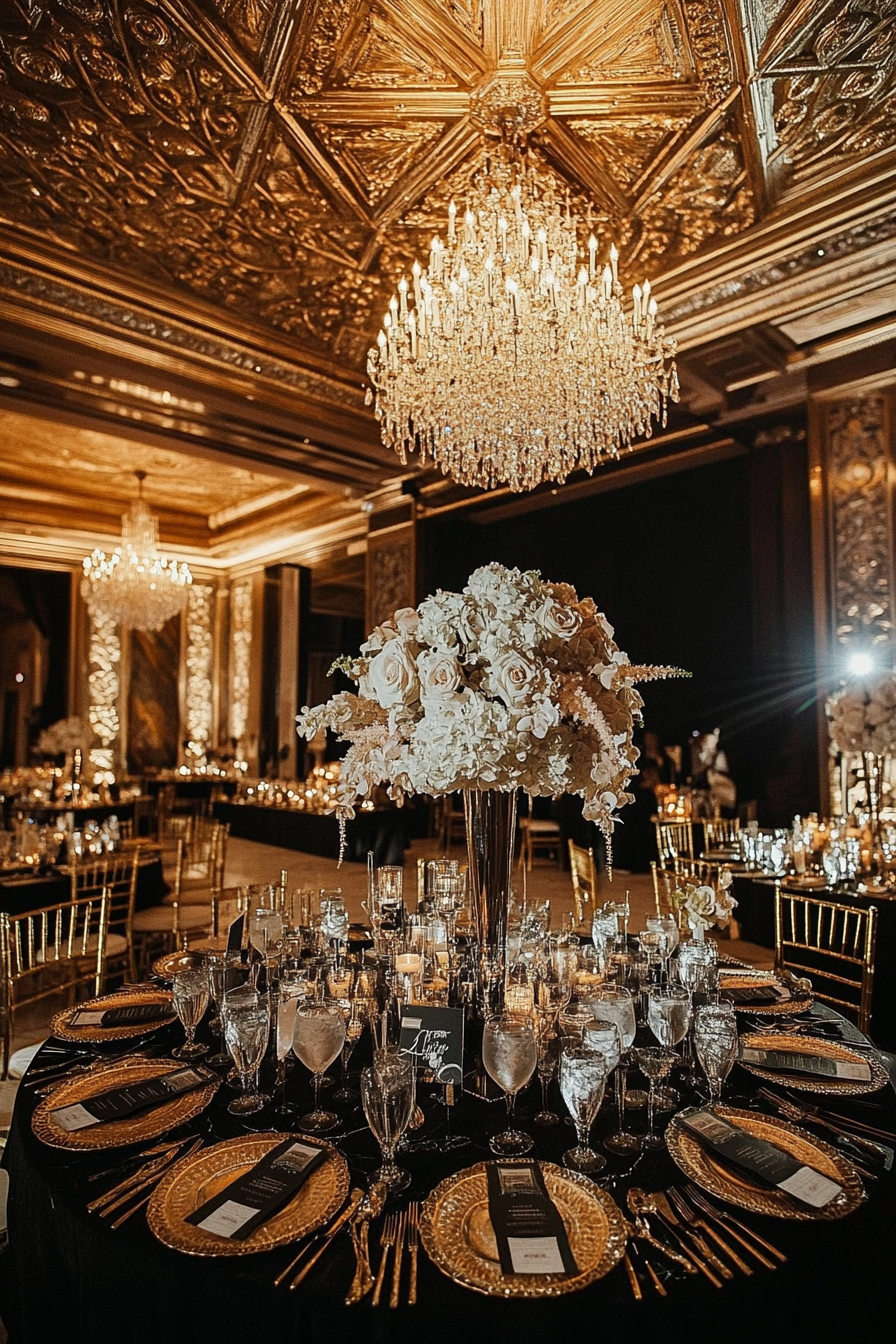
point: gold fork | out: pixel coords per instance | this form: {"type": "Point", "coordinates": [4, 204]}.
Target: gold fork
{"type": "Point", "coordinates": [413, 1247]}
{"type": "Point", "coordinates": [399, 1252]}
{"type": "Point", "coordinates": [387, 1239]}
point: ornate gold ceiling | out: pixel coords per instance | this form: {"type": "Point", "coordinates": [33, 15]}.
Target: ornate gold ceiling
{"type": "Point", "coordinates": [229, 189]}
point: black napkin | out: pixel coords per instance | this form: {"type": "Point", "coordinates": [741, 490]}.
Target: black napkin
{"type": "Point", "coordinates": [243, 1205]}
{"type": "Point", "coordinates": [140, 1095]}
{"type": "Point", "coordinates": [763, 1162]}
{"type": "Point", "coordinates": [801, 1063]}
{"type": "Point", "coordinates": [128, 1015]}
{"type": "Point", "coordinates": [528, 1228]}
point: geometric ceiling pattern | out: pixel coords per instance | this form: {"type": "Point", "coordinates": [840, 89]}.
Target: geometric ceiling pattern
{"type": "Point", "coordinates": [285, 161]}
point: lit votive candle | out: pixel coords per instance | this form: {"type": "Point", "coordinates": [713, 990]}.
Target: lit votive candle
{"type": "Point", "coordinates": [409, 963]}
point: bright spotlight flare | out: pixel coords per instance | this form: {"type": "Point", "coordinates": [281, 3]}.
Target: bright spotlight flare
{"type": "Point", "coordinates": [860, 664]}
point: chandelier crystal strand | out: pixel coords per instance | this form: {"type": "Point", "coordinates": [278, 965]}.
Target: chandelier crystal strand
{"type": "Point", "coordinates": [511, 360]}
{"type": "Point", "coordinates": [135, 585]}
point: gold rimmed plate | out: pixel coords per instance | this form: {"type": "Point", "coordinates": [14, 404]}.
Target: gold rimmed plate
{"type": "Point", "coordinates": [814, 1045]}
{"type": "Point", "coordinates": [756, 979]}
{"type": "Point", "coordinates": [130, 1129]}
{"type": "Point", "coordinates": [207, 1173]}
{"type": "Point", "coordinates": [735, 1187]}
{"type": "Point", "coordinates": [61, 1024]}
{"type": "Point", "coordinates": [458, 1237]}
{"type": "Point", "coordinates": [174, 962]}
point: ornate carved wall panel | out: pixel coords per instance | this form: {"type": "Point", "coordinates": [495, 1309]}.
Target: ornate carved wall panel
{"type": "Point", "coordinates": [391, 572]}
{"type": "Point", "coordinates": [154, 727]}
{"type": "Point", "coordinates": [104, 657]}
{"type": "Point", "coordinates": [240, 659]}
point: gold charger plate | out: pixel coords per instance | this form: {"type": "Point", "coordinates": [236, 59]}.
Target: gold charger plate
{"type": "Point", "coordinates": [457, 1234]}
{"type": "Point", "coordinates": [60, 1024]}
{"type": "Point", "coordinates": [747, 979]}
{"type": "Point", "coordinates": [814, 1045]}
{"type": "Point", "coordinates": [735, 1188]}
{"type": "Point", "coordinates": [207, 1173]}
{"type": "Point", "coordinates": [130, 1129]}
{"type": "Point", "coordinates": [173, 962]}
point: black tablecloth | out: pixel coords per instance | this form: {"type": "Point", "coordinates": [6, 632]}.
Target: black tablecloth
{"type": "Point", "coordinates": [19, 894]}
{"type": "Point", "coordinates": [385, 832]}
{"type": "Point", "coordinates": [756, 916]}
{"type": "Point", "coordinates": [68, 1276]}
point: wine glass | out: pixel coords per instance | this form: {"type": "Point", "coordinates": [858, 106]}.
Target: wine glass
{"type": "Point", "coordinates": [333, 921]}
{"type": "Point", "coordinates": [225, 971]}
{"type": "Point", "coordinates": [246, 1018]}
{"type": "Point", "coordinates": [317, 1040]}
{"type": "Point", "coordinates": [667, 927]}
{"type": "Point", "coordinates": [715, 1040]}
{"type": "Point", "coordinates": [190, 995]}
{"type": "Point", "coordinates": [510, 1055]}
{"type": "Point", "coordinates": [387, 1094]}
{"type": "Point", "coordinates": [265, 930]}
{"type": "Point", "coordinates": [655, 1063]}
{"type": "Point", "coordinates": [614, 1003]}
{"type": "Point", "coordinates": [291, 995]}
{"type": "Point", "coordinates": [668, 1013]}
{"type": "Point", "coordinates": [548, 1059]}
{"type": "Point", "coordinates": [583, 1076]}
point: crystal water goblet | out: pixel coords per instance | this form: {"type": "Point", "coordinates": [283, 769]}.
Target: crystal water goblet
{"type": "Point", "coordinates": [510, 1056]}
{"type": "Point", "coordinates": [318, 1038]}
{"type": "Point", "coordinates": [190, 995]}
{"type": "Point", "coordinates": [225, 972]}
{"type": "Point", "coordinates": [614, 1003]}
{"type": "Point", "coordinates": [247, 1022]}
{"type": "Point", "coordinates": [583, 1077]}
{"type": "Point", "coordinates": [715, 1041]}
{"type": "Point", "coordinates": [387, 1095]}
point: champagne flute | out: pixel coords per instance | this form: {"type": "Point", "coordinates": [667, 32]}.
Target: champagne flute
{"type": "Point", "coordinates": [548, 1058]}
{"type": "Point", "coordinates": [190, 995]}
{"type": "Point", "coordinates": [614, 1003]}
{"type": "Point", "coordinates": [510, 1054]}
{"type": "Point", "coordinates": [291, 995]}
{"type": "Point", "coordinates": [583, 1076]}
{"type": "Point", "coordinates": [655, 1063]}
{"type": "Point", "coordinates": [354, 1028]}
{"type": "Point", "coordinates": [247, 1023]}
{"type": "Point", "coordinates": [225, 970]}
{"type": "Point", "coordinates": [387, 1094]}
{"type": "Point", "coordinates": [317, 1040]}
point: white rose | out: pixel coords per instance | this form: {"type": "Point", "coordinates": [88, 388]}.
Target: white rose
{"type": "Point", "coordinates": [514, 678]}
{"type": "Point", "coordinates": [406, 621]}
{"type": "Point", "coordinates": [701, 903]}
{"type": "Point", "coordinates": [440, 675]}
{"type": "Point", "coordinates": [558, 621]}
{"type": "Point", "coordinates": [392, 676]}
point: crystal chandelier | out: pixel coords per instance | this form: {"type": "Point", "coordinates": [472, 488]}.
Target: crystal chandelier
{"type": "Point", "coordinates": [135, 585]}
{"type": "Point", "coordinates": [516, 362]}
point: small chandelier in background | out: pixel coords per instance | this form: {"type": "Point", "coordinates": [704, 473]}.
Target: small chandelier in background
{"type": "Point", "coordinates": [517, 363]}
{"type": "Point", "coordinates": [135, 585]}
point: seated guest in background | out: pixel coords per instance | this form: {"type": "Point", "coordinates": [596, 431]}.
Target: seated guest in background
{"type": "Point", "coordinates": [710, 774]}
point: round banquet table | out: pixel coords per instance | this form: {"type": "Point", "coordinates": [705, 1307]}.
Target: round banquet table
{"type": "Point", "coordinates": [68, 1276]}
{"type": "Point", "coordinates": [21, 891]}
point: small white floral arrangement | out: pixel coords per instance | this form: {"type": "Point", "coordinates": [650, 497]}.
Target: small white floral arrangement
{"type": "Point", "coordinates": [63, 736]}
{"type": "Point", "coordinates": [707, 907]}
{"type": "Point", "coordinates": [862, 715]}
{"type": "Point", "coordinates": [513, 683]}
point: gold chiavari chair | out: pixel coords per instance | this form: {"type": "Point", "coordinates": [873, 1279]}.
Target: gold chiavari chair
{"type": "Point", "coordinates": [227, 905]}
{"type": "Point", "coordinates": [539, 837]}
{"type": "Point", "coordinates": [701, 871]}
{"type": "Point", "coordinates": [833, 945]}
{"type": "Point", "coordinates": [199, 864]}
{"type": "Point", "coordinates": [720, 832]}
{"type": "Point", "coordinates": [675, 839]}
{"type": "Point", "coordinates": [584, 879]}
{"type": "Point", "coordinates": [665, 885]}
{"type": "Point", "coordinates": [50, 951]}
{"type": "Point", "coordinates": [116, 873]}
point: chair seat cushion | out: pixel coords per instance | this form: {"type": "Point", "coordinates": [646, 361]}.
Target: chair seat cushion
{"type": "Point", "coordinates": [536, 827]}
{"type": "Point", "coordinates": [160, 918]}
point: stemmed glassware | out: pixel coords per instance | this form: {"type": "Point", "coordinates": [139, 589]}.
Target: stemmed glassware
{"type": "Point", "coordinates": [333, 922]}
{"type": "Point", "coordinates": [354, 1027]}
{"type": "Point", "coordinates": [510, 1054]}
{"type": "Point", "coordinates": [223, 974]}
{"type": "Point", "coordinates": [246, 1017]}
{"type": "Point", "coordinates": [291, 995]}
{"type": "Point", "coordinates": [387, 1094]}
{"type": "Point", "coordinates": [317, 1040]}
{"type": "Point", "coordinates": [655, 1063]}
{"type": "Point", "coordinates": [667, 927]}
{"type": "Point", "coordinates": [548, 1058]}
{"type": "Point", "coordinates": [669, 1017]}
{"type": "Point", "coordinates": [190, 995]}
{"type": "Point", "coordinates": [715, 1040]}
{"type": "Point", "coordinates": [583, 1076]}
{"type": "Point", "coordinates": [613, 1003]}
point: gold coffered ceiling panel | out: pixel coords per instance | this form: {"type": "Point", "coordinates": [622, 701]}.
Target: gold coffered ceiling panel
{"type": "Point", "coordinates": [276, 164]}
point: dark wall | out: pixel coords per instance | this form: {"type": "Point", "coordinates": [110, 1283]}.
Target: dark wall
{"type": "Point", "coordinates": [710, 570]}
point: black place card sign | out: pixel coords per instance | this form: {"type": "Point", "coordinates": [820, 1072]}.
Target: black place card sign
{"type": "Point", "coordinates": [128, 1015]}
{"type": "Point", "coordinates": [756, 994]}
{"type": "Point", "coordinates": [798, 1061]}
{"type": "Point", "coordinates": [119, 1102]}
{"type": "Point", "coordinates": [530, 1233]}
{"type": "Point", "coordinates": [243, 1205]}
{"type": "Point", "coordinates": [235, 934]}
{"type": "Point", "coordinates": [762, 1160]}
{"type": "Point", "coordinates": [434, 1038]}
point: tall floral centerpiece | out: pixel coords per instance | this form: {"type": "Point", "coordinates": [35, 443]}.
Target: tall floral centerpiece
{"type": "Point", "coordinates": [512, 684]}
{"type": "Point", "coordinates": [862, 721]}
